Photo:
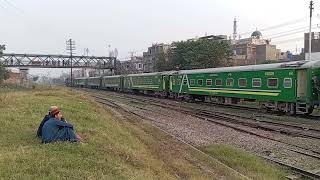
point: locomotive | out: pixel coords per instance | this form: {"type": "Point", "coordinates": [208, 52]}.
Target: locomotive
{"type": "Point", "coordinates": [290, 87]}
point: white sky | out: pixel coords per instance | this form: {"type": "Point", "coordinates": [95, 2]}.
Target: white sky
{"type": "Point", "coordinates": [43, 26]}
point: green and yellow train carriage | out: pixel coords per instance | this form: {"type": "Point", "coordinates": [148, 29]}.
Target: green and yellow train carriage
{"type": "Point", "coordinates": [94, 82]}
{"type": "Point", "coordinates": [112, 83]}
{"type": "Point", "coordinates": [80, 82]}
{"type": "Point", "coordinates": [289, 87]}
{"type": "Point", "coordinates": [148, 83]}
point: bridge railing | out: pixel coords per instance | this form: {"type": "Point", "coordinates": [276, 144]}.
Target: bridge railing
{"type": "Point", "coordinates": [56, 61]}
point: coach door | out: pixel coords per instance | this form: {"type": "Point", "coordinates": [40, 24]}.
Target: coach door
{"type": "Point", "coordinates": [302, 83]}
{"type": "Point", "coordinates": [164, 82]}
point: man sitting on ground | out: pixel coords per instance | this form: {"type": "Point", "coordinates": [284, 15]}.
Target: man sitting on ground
{"type": "Point", "coordinates": [55, 129]}
{"type": "Point", "coordinates": [45, 119]}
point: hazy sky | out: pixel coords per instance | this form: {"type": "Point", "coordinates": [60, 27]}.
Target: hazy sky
{"type": "Point", "coordinates": [43, 26]}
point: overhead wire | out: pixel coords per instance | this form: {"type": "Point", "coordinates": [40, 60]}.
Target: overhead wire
{"type": "Point", "coordinates": [2, 5]}
{"type": "Point", "coordinates": [288, 34]}
{"type": "Point", "coordinates": [283, 24]}
{"type": "Point", "coordinates": [277, 26]}
{"type": "Point", "coordinates": [291, 30]}
{"type": "Point", "coordinates": [289, 40]}
{"type": "Point", "coordinates": [17, 9]}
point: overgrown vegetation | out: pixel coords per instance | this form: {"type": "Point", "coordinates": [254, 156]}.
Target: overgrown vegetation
{"type": "Point", "coordinates": [245, 162]}
{"type": "Point", "coordinates": [194, 55]}
{"type": "Point", "coordinates": [115, 148]}
{"type": "Point", "coordinates": [4, 74]}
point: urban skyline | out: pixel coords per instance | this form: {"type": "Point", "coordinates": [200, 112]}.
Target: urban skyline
{"type": "Point", "coordinates": [43, 26]}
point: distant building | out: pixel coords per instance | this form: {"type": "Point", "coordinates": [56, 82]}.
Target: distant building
{"type": "Point", "coordinates": [244, 50]}
{"type": "Point", "coordinates": [267, 52]}
{"type": "Point", "coordinates": [211, 37]}
{"type": "Point", "coordinates": [150, 57]}
{"type": "Point", "coordinates": [256, 50]}
{"type": "Point", "coordinates": [132, 66]}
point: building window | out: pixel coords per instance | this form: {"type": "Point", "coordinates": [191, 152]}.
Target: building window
{"type": "Point", "coordinates": [191, 81]}
{"type": "Point", "coordinates": [209, 82]}
{"type": "Point", "coordinates": [316, 35]}
{"type": "Point", "coordinates": [287, 83]}
{"type": "Point", "coordinates": [273, 82]}
{"type": "Point", "coordinates": [218, 82]}
{"type": "Point", "coordinates": [229, 82]}
{"type": "Point", "coordinates": [242, 82]}
{"type": "Point", "coordinates": [256, 82]}
{"type": "Point", "coordinates": [200, 82]}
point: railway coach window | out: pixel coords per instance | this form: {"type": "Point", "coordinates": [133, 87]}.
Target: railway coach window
{"type": "Point", "coordinates": [273, 82]}
{"type": "Point", "coordinates": [287, 83]}
{"type": "Point", "coordinates": [200, 82]}
{"type": "Point", "coordinates": [242, 82]}
{"type": "Point", "coordinates": [218, 82]}
{"type": "Point", "coordinates": [185, 82]}
{"type": "Point", "coordinates": [256, 82]}
{"type": "Point", "coordinates": [178, 81]}
{"type": "Point", "coordinates": [209, 82]}
{"type": "Point", "coordinates": [191, 81]}
{"type": "Point", "coordinates": [229, 82]}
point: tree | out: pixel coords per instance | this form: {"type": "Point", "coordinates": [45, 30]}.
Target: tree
{"type": "Point", "coordinates": [163, 62]}
{"type": "Point", "coordinates": [200, 54]}
{"type": "Point", "coordinates": [4, 74]}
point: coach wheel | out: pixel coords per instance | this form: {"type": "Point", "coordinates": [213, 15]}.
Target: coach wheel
{"type": "Point", "coordinates": [310, 110]}
{"type": "Point", "coordinates": [292, 110]}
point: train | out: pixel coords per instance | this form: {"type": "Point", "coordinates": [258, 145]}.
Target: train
{"type": "Point", "coordinates": [289, 87]}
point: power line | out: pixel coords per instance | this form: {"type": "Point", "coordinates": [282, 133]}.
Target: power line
{"type": "Point", "coordinates": [289, 40]}
{"type": "Point", "coordinates": [277, 26]}
{"type": "Point", "coordinates": [283, 24]}
{"type": "Point", "coordinates": [14, 7]}
{"type": "Point", "coordinates": [1, 5]}
{"type": "Point", "coordinates": [284, 32]}
{"type": "Point", "coordinates": [288, 34]}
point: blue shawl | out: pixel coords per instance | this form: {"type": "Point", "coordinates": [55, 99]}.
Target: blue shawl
{"type": "Point", "coordinates": [56, 130]}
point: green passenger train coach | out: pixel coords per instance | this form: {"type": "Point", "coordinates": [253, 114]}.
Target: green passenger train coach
{"type": "Point", "coordinates": [148, 83]}
{"type": "Point", "coordinates": [94, 82]}
{"type": "Point", "coordinates": [289, 87]}
{"type": "Point", "coordinates": [112, 83]}
{"type": "Point", "coordinates": [80, 82]}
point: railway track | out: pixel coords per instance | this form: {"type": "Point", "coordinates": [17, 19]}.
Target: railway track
{"type": "Point", "coordinates": [294, 169]}
{"type": "Point", "coordinates": [116, 106]}
{"type": "Point", "coordinates": [251, 121]}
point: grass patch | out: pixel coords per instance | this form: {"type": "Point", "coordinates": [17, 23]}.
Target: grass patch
{"type": "Point", "coordinates": [244, 162]}
{"type": "Point", "coordinates": [116, 148]}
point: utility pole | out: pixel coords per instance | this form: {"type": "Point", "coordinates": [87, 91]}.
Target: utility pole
{"type": "Point", "coordinates": [311, 9]}
{"type": "Point", "coordinates": [71, 46]}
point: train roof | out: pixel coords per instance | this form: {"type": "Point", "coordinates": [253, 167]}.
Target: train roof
{"type": "Point", "coordinates": [96, 77]}
{"type": "Point", "coordinates": [106, 77]}
{"type": "Point", "coordinates": [80, 78]}
{"type": "Point", "coordinates": [287, 65]}
{"type": "Point", "coordinates": [152, 74]}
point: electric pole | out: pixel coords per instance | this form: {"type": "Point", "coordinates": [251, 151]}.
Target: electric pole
{"type": "Point", "coordinates": [71, 46]}
{"type": "Point", "coordinates": [311, 9]}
